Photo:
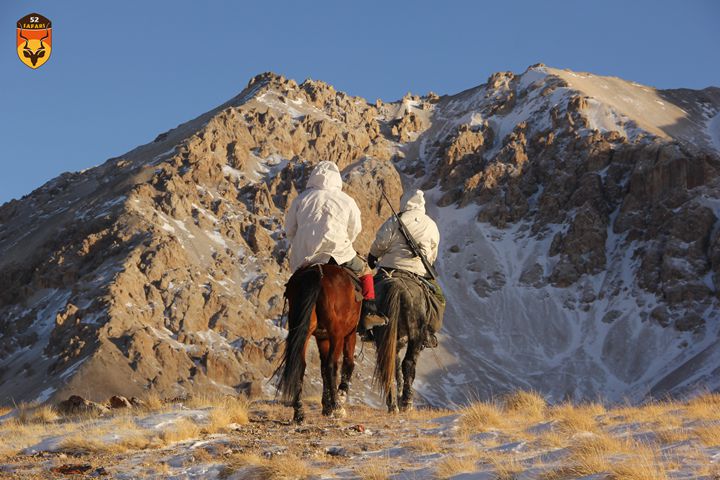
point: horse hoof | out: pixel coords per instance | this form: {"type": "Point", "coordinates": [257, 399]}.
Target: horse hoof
{"type": "Point", "coordinates": [342, 397]}
{"type": "Point", "coordinates": [406, 408]}
{"type": "Point", "coordinates": [340, 413]}
{"type": "Point", "coordinates": [393, 410]}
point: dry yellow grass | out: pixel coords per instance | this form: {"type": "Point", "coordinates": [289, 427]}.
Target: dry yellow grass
{"type": "Point", "coordinates": [181, 430]}
{"type": "Point", "coordinates": [227, 411]}
{"type": "Point", "coordinates": [153, 402]}
{"type": "Point", "coordinates": [205, 401]}
{"type": "Point", "coordinates": [596, 445]}
{"type": "Point", "coordinates": [640, 462]}
{"type": "Point", "coordinates": [709, 434]}
{"type": "Point", "coordinates": [530, 405]}
{"type": "Point", "coordinates": [708, 469]}
{"type": "Point", "coordinates": [425, 445]}
{"type": "Point", "coordinates": [655, 412]}
{"type": "Point", "coordinates": [4, 410]}
{"type": "Point", "coordinates": [238, 461]}
{"type": "Point", "coordinates": [639, 469]}
{"type": "Point", "coordinates": [592, 454]}
{"type": "Point", "coordinates": [573, 419]}
{"type": "Point", "coordinates": [138, 440]}
{"type": "Point", "coordinates": [426, 413]}
{"type": "Point", "coordinates": [673, 435]}
{"type": "Point", "coordinates": [43, 414]}
{"type": "Point", "coordinates": [704, 407]}
{"type": "Point", "coordinates": [705, 399]}
{"type": "Point", "coordinates": [81, 443]}
{"type": "Point", "coordinates": [289, 466]}
{"type": "Point", "coordinates": [550, 439]}
{"type": "Point", "coordinates": [27, 413]}
{"type": "Point", "coordinates": [375, 470]}
{"type": "Point", "coordinates": [506, 467]}
{"type": "Point", "coordinates": [254, 467]}
{"type": "Point", "coordinates": [480, 417]}
{"type": "Point", "coordinates": [451, 466]}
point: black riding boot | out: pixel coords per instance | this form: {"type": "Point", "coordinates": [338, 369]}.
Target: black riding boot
{"type": "Point", "coordinates": [369, 318]}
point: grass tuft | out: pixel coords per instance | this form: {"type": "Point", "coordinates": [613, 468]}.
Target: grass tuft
{"type": "Point", "coordinates": [481, 417]}
{"type": "Point", "coordinates": [530, 404]}
{"type": "Point", "coordinates": [574, 419]}
{"type": "Point", "coordinates": [227, 411]}
{"type": "Point", "coordinates": [181, 430]}
{"type": "Point", "coordinates": [451, 466]}
{"type": "Point", "coordinates": [709, 434]}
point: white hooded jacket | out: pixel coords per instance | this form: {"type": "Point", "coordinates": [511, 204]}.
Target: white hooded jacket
{"type": "Point", "coordinates": [390, 246]}
{"type": "Point", "coordinates": [323, 221]}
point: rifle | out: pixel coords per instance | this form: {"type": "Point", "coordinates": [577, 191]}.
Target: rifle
{"type": "Point", "coordinates": [411, 243]}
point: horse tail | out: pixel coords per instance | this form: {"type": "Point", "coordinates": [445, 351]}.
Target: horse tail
{"type": "Point", "coordinates": [386, 342]}
{"type": "Point", "coordinates": [302, 293]}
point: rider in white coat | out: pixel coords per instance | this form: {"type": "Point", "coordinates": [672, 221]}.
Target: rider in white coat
{"type": "Point", "coordinates": [322, 224]}
{"type": "Point", "coordinates": [390, 249]}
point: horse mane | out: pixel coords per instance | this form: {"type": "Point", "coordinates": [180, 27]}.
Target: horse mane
{"type": "Point", "coordinates": [302, 293]}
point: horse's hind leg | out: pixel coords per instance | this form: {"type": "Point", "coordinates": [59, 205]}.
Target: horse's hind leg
{"type": "Point", "coordinates": [348, 366]}
{"type": "Point", "coordinates": [394, 392]}
{"type": "Point", "coordinates": [408, 372]}
{"type": "Point", "coordinates": [336, 349]}
{"type": "Point", "coordinates": [329, 363]}
{"type": "Point", "coordinates": [298, 408]}
{"type": "Point", "coordinates": [325, 371]}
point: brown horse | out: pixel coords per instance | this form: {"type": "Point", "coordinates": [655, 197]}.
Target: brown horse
{"type": "Point", "coordinates": [322, 302]}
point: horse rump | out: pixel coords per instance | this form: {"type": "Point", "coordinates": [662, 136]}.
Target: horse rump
{"type": "Point", "coordinates": [301, 292]}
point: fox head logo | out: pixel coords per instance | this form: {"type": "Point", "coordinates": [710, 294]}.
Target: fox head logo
{"type": "Point", "coordinates": [34, 40]}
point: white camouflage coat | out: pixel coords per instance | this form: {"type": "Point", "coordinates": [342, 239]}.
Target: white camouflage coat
{"type": "Point", "coordinates": [390, 246]}
{"type": "Point", "coordinates": [323, 221]}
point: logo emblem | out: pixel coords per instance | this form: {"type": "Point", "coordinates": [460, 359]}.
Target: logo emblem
{"type": "Point", "coordinates": [34, 40]}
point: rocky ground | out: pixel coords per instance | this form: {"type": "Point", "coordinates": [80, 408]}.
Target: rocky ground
{"type": "Point", "coordinates": [517, 437]}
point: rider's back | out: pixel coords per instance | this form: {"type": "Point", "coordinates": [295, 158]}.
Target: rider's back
{"type": "Point", "coordinates": [323, 221]}
{"type": "Point", "coordinates": [391, 247]}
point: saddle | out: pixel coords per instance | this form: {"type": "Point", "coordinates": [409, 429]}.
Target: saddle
{"type": "Point", "coordinates": [355, 279]}
{"type": "Point", "coordinates": [431, 291]}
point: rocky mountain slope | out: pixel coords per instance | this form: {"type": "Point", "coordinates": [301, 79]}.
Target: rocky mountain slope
{"type": "Point", "coordinates": [580, 249]}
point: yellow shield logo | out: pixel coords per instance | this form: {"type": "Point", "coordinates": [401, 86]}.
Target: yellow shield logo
{"type": "Point", "coordinates": [34, 40]}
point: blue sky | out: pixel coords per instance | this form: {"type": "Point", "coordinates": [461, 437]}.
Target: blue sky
{"type": "Point", "coordinates": [122, 72]}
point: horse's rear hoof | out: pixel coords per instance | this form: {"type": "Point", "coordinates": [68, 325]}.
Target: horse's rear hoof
{"type": "Point", "coordinates": [393, 410]}
{"type": "Point", "coordinates": [407, 407]}
{"type": "Point", "coordinates": [299, 418]}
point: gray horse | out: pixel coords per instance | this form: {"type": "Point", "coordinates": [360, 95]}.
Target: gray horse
{"type": "Point", "coordinates": [410, 308]}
